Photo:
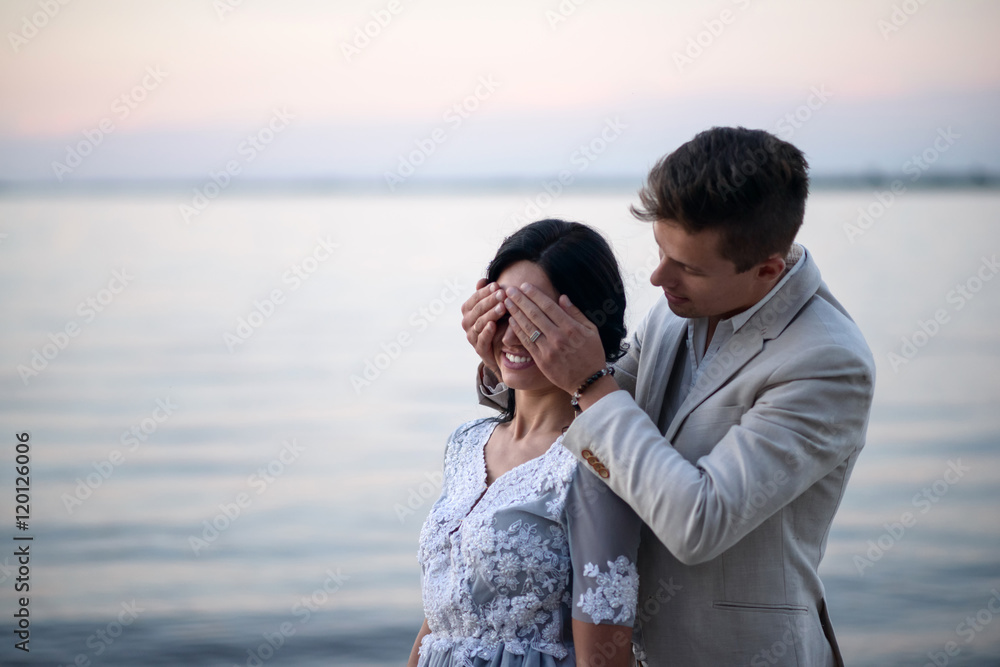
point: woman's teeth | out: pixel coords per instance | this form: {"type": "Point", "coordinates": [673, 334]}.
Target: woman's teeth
{"type": "Point", "coordinates": [516, 360]}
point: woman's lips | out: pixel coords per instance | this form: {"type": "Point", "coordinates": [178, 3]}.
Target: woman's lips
{"type": "Point", "coordinates": [517, 361]}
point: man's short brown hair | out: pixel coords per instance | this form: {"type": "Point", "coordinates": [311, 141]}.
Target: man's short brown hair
{"type": "Point", "coordinates": [748, 184]}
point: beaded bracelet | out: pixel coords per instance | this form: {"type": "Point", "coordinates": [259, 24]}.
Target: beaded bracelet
{"type": "Point", "coordinates": [575, 401]}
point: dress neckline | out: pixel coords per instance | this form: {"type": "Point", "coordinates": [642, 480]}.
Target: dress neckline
{"type": "Point", "coordinates": [483, 473]}
{"type": "Point", "coordinates": [482, 461]}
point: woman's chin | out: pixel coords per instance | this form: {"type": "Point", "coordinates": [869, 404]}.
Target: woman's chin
{"type": "Point", "coordinates": [530, 379]}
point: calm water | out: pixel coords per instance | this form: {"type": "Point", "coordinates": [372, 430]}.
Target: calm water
{"type": "Point", "coordinates": [287, 369]}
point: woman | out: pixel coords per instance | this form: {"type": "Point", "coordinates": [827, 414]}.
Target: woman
{"type": "Point", "coordinates": [527, 557]}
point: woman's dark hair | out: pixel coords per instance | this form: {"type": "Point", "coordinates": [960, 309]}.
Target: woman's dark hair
{"type": "Point", "coordinates": [580, 264]}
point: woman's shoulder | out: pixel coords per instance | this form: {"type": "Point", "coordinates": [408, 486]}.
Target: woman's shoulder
{"type": "Point", "coordinates": [472, 430]}
{"type": "Point", "coordinates": [469, 436]}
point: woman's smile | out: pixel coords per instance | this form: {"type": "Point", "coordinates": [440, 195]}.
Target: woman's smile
{"type": "Point", "coordinates": [517, 361]}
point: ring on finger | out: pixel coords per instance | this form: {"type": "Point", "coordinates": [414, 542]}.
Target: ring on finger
{"type": "Point", "coordinates": [533, 337]}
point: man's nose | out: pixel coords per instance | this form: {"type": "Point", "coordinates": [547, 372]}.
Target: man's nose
{"type": "Point", "coordinates": [662, 275]}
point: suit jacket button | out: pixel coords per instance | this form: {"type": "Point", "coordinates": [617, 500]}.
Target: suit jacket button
{"type": "Point", "coordinates": [603, 472]}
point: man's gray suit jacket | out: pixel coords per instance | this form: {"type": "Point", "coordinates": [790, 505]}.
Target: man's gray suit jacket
{"type": "Point", "coordinates": [738, 495]}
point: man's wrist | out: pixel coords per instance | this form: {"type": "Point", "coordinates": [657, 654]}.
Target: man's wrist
{"type": "Point", "coordinates": [596, 391]}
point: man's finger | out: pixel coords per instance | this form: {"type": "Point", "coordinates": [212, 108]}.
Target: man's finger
{"type": "Point", "coordinates": [485, 338]}
{"type": "Point", "coordinates": [573, 311]}
{"type": "Point", "coordinates": [494, 309]}
{"type": "Point", "coordinates": [518, 330]}
{"type": "Point", "coordinates": [520, 323]}
{"type": "Point", "coordinates": [484, 346]}
{"type": "Point", "coordinates": [483, 290]}
{"type": "Point", "coordinates": [479, 304]}
{"type": "Point", "coordinates": [530, 316]}
{"type": "Point", "coordinates": [546, 305]}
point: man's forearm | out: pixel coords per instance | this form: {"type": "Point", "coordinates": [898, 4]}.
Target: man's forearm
{"type": "Point", "coordinates": [691, 506]}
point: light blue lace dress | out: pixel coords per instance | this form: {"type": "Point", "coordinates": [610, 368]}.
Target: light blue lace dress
{"type": "Point", "coordinates": [506, 567]}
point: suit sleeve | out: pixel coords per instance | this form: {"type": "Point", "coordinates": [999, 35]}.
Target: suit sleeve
{"type": "Point", "coordinates": [808, 417]}
{"type": "Point", "coordinates": [491, 392]}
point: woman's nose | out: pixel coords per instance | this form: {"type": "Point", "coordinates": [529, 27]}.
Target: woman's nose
{"type": "Point", "coordinates": [509, 338]}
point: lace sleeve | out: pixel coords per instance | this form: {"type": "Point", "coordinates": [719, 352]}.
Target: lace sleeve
{"type": "Point", "coordinates": [603, 540]}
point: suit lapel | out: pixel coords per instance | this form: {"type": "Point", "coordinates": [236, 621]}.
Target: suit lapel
{"type": "Point", "coordinates": [650, 393]}
{"type": "Point", "coordinates": [767, 323]}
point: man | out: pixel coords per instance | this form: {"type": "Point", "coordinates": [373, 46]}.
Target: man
{"type": "Point", "coordinates": [738, 412]}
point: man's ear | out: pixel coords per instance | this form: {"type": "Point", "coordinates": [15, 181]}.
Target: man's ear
{"type": "Point", "coordinates": [771, 268]}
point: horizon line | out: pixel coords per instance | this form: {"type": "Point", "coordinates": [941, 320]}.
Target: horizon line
{"type": "Point", "coordinates": [972, 178]}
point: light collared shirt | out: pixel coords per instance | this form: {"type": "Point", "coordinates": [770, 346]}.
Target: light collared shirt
{"type": "Point", "coordinates": [694, 358]}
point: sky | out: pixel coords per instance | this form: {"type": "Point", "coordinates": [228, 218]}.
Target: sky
{"type": "Point", "coordinates": [402, 92]}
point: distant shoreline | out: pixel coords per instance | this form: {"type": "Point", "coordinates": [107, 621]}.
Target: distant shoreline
{"type": "Point", "coordinates": [500, 184]}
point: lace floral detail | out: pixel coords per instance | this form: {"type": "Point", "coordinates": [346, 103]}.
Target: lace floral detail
{"type": "Point", "coordinates": [496, 565]}
{"type": "Point", "coordinates": [556, 506]}
{"type": "Point", "coordinates": [616, 589]}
